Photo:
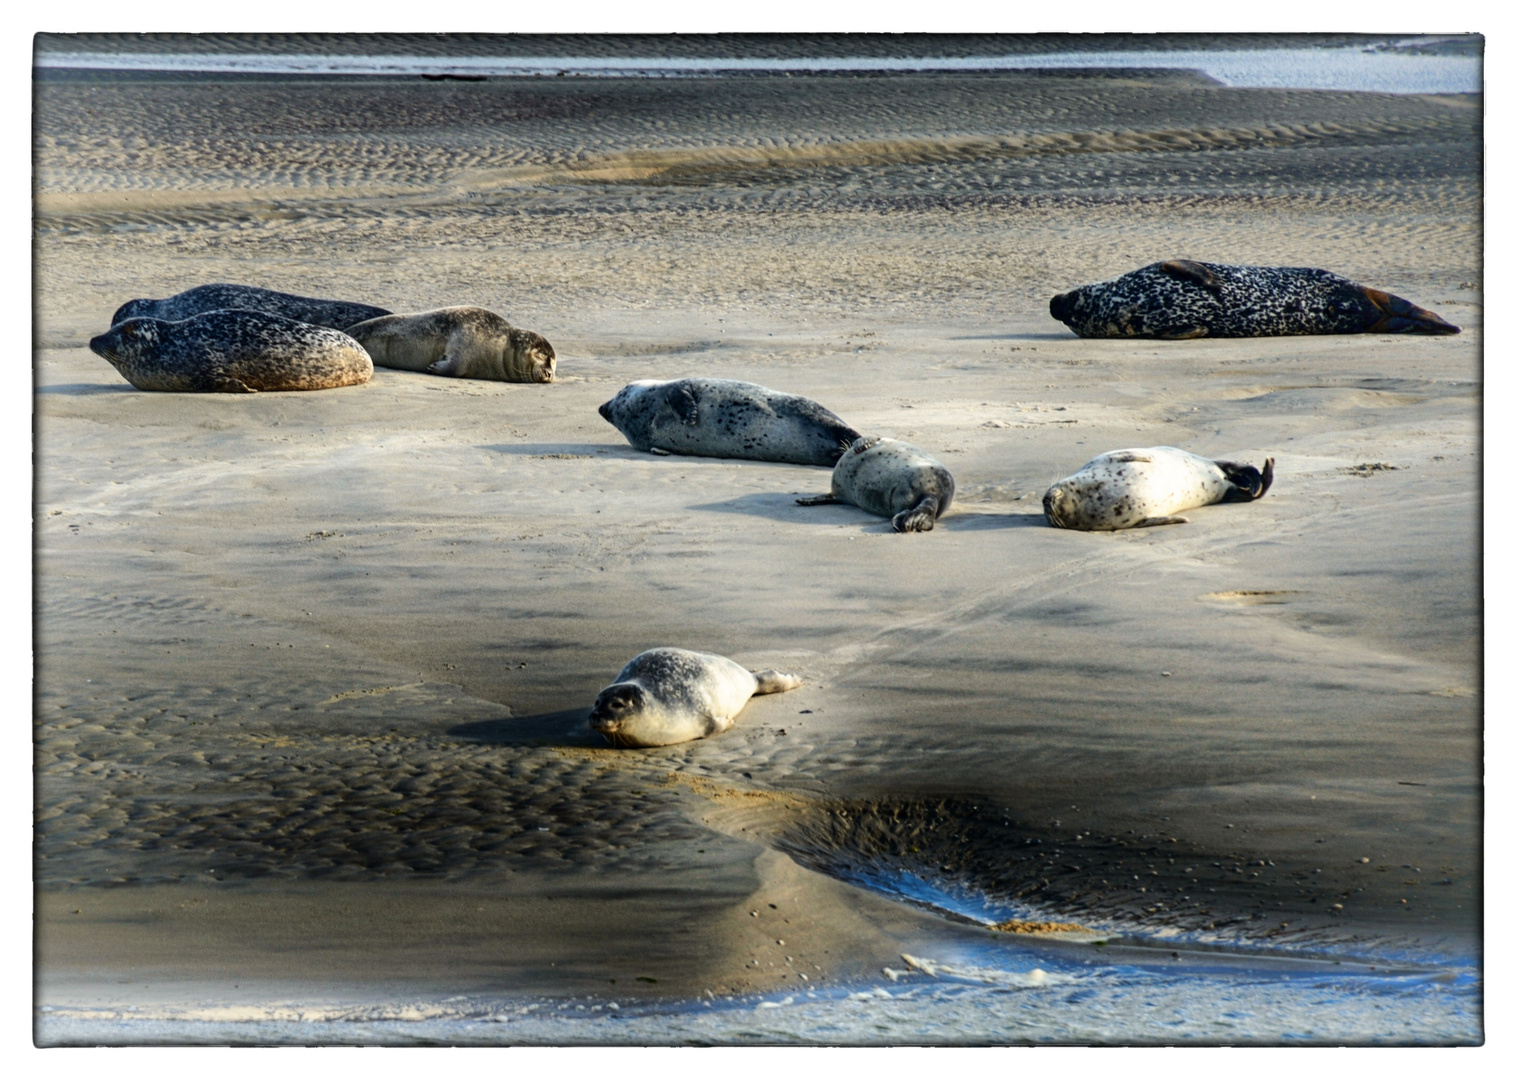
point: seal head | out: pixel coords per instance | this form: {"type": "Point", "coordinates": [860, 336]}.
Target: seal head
{"type": "Point", "coordinates": [1185, 299]}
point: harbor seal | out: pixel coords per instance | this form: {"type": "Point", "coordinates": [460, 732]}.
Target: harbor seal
{"type": "Point", "coordinates": [893, 479]}
{"type": "Point", "coordinates": [666, 696]}
{"type": "Point", "coordinates": [1184, 299]}
{"type": "Point", "coordinates": [729, 419]}
{"type": "Point", "coordinates": [338, 314]}
{"type": "Point", "coordinates": [461, 342]}
{"type": "Point", "coordinates": [1129, 489]}
{"type": "Point", "coordinates": [232, 352]}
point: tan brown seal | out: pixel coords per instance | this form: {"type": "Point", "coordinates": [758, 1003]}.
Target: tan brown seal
{"type": "Point", "coordinates": [232, 352]}
{"type": "Point", "coordinates": [460, 342]}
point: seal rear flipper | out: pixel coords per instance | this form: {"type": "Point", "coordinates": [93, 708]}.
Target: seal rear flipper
{"type": "Point", "coordinates": [1173, 519]}
{"type": "Point", "coordinates": [1248, 482]}
{"type": "Point", "coordinates": [818, 500]}
{"type": "Point", "coordinates": [1193, 272]}
{"type": "Point", "coordinates": [775, 682]}
{"type": "Point", "coordinates": [1400, 316]}
{"type": "Point", "coordinates": [920, 518]}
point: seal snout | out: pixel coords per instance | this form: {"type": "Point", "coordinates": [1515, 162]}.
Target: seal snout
{"type": "Point", "coordinates": [1051, 500]}
{"type": "Point", "coordinates": [605, 412]}
{"type": "Point", "coordinates": [1061, 307]}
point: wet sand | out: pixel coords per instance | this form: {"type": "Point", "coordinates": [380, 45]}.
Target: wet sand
{"type": "Point", "coordinates": [312, 668]}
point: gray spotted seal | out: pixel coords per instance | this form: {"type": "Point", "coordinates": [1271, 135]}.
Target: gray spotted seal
{"type": "Point", "coordinates": [338, 314]}
{"type": "Point", "coordinates": [232, 352]}
{"type": "Point", "coordinates": [666, 696]}
{"type": "Point", "coordinates": [893, 479]}
{"type": "Point", "coordinates": [729, 419]}
{"type": "Point", "coordinates": [462, 342]}
{"type": "Point", "coordinates": [1184, 299]}
{"type": "Point", "coordinates": [1150, 485]}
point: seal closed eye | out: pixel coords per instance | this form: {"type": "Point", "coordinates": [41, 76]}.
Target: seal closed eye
{"type": "Point", "coordinates": [1181, 298]}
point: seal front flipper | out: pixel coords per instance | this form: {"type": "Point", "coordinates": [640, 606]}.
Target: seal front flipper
{"type": "Point", "coordinates": [1194, 272]}
{"type": "Point", "coordinates": [1173, 519]}
{"type": "Point", "coordinates": [1248, 482]}
{"type": "Point", "coordinates": [775, 682]}
{"type": "Point", "coordinates": [920, 518]}
{"type": "Point", "coordinates": [818, 500]}
{"type": "Point", "coordinates": [1398, 316]}
{"type": "Point", "coordinates": [684, 405]}
{"type": "Point", "coordinates": [448, 366]}
{"type": "Point", "coordinates": [226, 385]}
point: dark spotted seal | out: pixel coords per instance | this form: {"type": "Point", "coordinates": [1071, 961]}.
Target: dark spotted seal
{"type": "Point", "coordinates": [892, 479]}
{"type": "Point", "coordinates": [232, 352]}
{"type": "Point", "coordinates": [338, 314]}
{"type": "Point", "coordinates": [1183, 299]}
{"type": "Point", "coordinates": [1130, 489]}
{"type": "Point", "coordinates": [463, 342]}
{"type": "Point", "coordinates": [668, 696]}
{"type": "Point", "coordinates": [727, 418]}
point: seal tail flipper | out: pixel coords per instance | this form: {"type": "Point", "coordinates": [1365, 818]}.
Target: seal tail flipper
{"type": "Point", "coordinates": [1400, 316]}
{"type": "Point", "coordinates": [818, 500]}
{"type": "Point", "coordinates": [1173, 519]}
{"type": "Point", "coordinates": [1248, 482]}
{"type": "Point", "coordinates": [775, 682]}
{"type": "Point", "coordinates": [920, 518]}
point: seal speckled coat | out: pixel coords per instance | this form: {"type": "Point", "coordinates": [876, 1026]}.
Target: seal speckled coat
{"type": "Point", "coordinates": [893, 479]}
{"type": "Point", "coordinates": [667, 695]}
{"type": "Point", "coordinates": [1126, 489]}
{"type": "Point", "coordinates": [232, 352]}
{"type": "Point", "coordinates": [727, 418]}
{"type": "Point", "coordinates": [338, 314]}
{"type": "Point", "coordinates": [1184, 299]}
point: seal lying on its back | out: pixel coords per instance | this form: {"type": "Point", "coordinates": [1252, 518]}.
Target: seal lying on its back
{"type": "Point", "coordinates": [892, 479]}
{"type": "Point", "coordinates": [1128, 489]}
{"type": "Point", "coordinates": [668, 696]}
{"type": "Point", "coordinates": [232, 352]}
{"type": "Point", "coordinates": [338, 314]}
{"type": "Point", "coordinates": [1184, 299]}
{"type": "Point", "coordinates": [463, 342]}
{"type": "Point", "coordinates": [727, 418]}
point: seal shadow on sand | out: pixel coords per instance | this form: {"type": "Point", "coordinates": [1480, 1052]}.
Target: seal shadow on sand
{"type": "Point", "coordinates": [586, 450]}
{"type": "Point", "coordinates": [782, 507]}
{"type": "Point", "coordinates": [567, 727]}
{"type": "Point", "coordinates": [84, 389]}
{"type": "Point", "coordinates": [1053, 335]}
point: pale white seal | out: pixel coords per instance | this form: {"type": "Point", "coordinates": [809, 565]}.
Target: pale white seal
{"type": "Point", "coordinates": [666, 696]}
{"type": "Point", "coordinates": [1149, 485]}
{"type": "Point", "coordinates": [461, 342]}
{"type": "Point", "coordinates": [893, 479]}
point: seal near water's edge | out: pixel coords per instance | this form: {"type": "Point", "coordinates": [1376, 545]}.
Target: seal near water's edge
{"type": "Point", "coordinates": [668, 695]}
{"type": "Point", "coordinates": [1128, 489]}
{"type": "Point", "coordinates": [338, 314]}
{"type": "Point", "coordinates": [232, 352]}
{"type": "Point", "coordinates": [461, 342]}
{"type": "Point", "coordinates": [893, 479]}
{"type": "Point", "coordinates": [727, 418]}
{"type": "Point", "coordinates": [1184, 299]}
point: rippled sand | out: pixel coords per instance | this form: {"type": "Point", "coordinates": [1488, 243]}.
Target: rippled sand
{"type": "Point", "coordinates": [313, 667]}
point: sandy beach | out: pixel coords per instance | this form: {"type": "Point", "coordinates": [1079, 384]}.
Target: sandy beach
{"type": "Point", "coordinates": [313, 667]}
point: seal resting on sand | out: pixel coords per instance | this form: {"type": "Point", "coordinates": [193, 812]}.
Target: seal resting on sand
{"type": "Point", "coordinates": [232, 352]}
{"type": "Point", "coordinates": [666, 696]}
{"type": "Point", "coordinates": [461, 342]}
{"type": "Point", "coordinates": [727, 418]}
{"type": "Point", "coordinates": [1129, 489]}
{"type": "Point", "coordinates": [893, 479]}
{"type": "Point", "coordinates": [1184, 299]}
{"type": "Point", "coordinates": [338, 314]}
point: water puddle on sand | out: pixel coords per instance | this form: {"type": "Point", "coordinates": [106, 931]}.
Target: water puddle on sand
{"type": "Point", "coordinates": [1013, 988]}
